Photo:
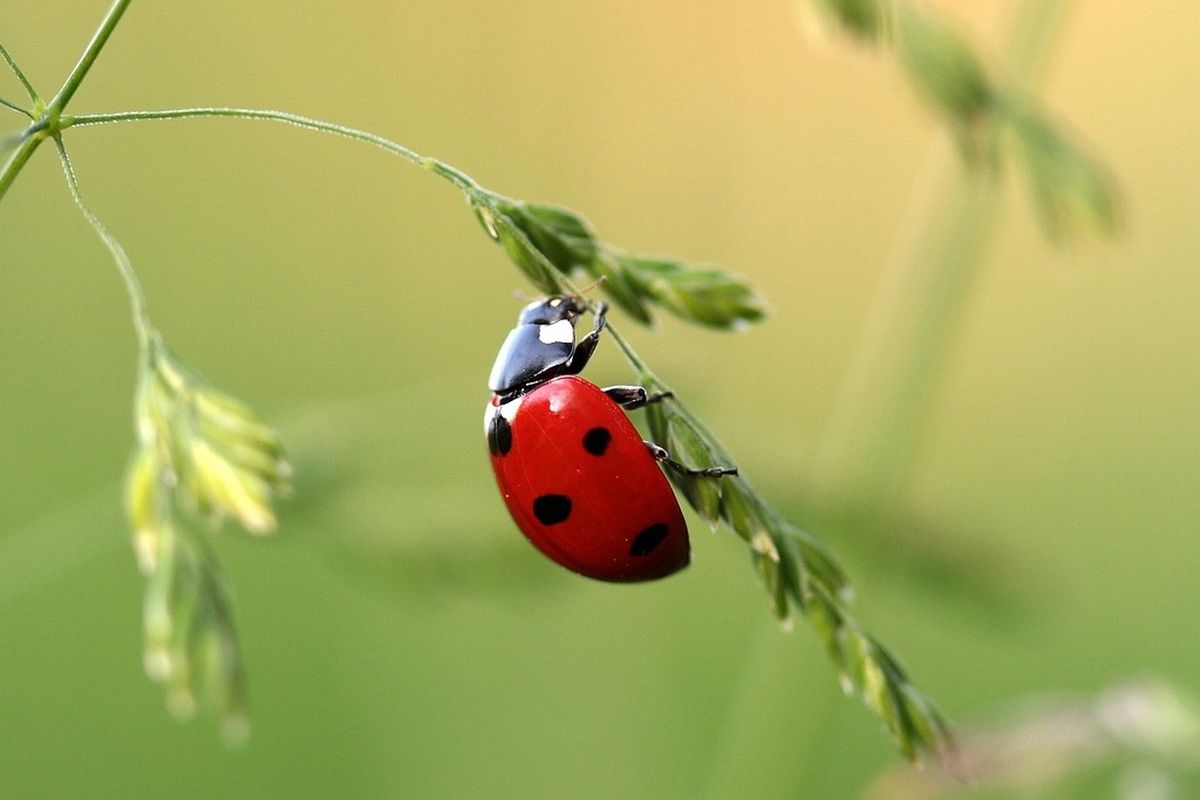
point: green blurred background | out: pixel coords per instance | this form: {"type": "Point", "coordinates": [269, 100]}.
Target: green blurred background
{"type": "Point", "coordinates": [401, 639]}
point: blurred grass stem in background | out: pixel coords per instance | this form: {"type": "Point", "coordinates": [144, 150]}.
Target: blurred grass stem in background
{"type": "Point", "coordinates": [892, 384]}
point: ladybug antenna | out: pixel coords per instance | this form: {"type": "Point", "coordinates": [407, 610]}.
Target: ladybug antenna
{"type": "Point", "coordinates": [591, 286]}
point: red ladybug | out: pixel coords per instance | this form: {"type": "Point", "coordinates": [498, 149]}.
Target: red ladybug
{"type": "Point", "coordinates": [575, 474]}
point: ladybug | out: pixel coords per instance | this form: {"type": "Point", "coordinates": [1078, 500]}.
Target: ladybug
{"type": "Point", "coordinates": [578, 479]}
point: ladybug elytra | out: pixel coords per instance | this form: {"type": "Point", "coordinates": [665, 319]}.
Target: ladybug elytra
{"type": "Point", "coordinates": [578, 479]}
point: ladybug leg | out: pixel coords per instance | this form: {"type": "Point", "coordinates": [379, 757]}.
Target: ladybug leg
{"type": "Point", "coordinates": [631, 397]}
{"type": "Point", "coordinates": [587, 345]}
{"type": "Point", "coordinates": [662, 455]}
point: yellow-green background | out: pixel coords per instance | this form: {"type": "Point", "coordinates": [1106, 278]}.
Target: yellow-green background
{"type": "Point", "coordinates": [401, 639]}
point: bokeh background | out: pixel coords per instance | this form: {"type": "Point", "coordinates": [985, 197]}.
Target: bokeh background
{"type": "Point", "coordinates": [402, 640]}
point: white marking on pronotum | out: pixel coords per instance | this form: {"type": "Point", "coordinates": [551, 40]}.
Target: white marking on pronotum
{"type": "Point", "coordinates": [560, 332]}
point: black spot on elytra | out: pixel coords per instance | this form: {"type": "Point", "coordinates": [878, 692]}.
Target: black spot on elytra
{"type": "Point", "coordinates": [499, 435]}
{"type": "Point", "coordinates": [551, 509]}
{"type": "Point", "coordinates": [596, 441]}
{"type": "Point", "coordinates": [650, 537]}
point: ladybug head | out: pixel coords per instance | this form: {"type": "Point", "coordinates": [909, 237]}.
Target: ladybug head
{"type": "Point", "coordinates": [549, 310]}
{"type": "Point", "coordinates": [540, 347]}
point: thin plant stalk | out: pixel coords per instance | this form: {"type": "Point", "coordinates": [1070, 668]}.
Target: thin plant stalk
{"type": "Point", "coordinates": [88, 58]}
{"type": "Point", "coordinates": [445, 171]}
{"type": "Point", "coordinates": [12, 65]}
{"type": "Point", "coordinates": [137, 297]}
{"type": "Point", "coordinates": [11, 105]}
{"type": "Point", "coordinates": [17, 161]}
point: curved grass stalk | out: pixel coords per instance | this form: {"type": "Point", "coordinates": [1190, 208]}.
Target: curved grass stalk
{"type": "Point", "coordinates": [296, 120]}
{"type": "Point", "coordinates": [29, 90]}
{"type": "Point", "coordinates": [11, 105]}
{"type": "Point", "coordinates": [137, 297]}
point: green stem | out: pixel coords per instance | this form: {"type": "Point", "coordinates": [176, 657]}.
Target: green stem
{"type": "Point", "coordinates": [433, 165]}
{"type": "Point", "coordinates": [894, 381]}
{"type": "Point", "coordinates": [8, 59]}
{"type": "Point", "coordinates": [71, 84]}
{"type": "Point", "coordinates": [18, 159]}
{"type": "Point", "coordinates": [10, 104]}
{"type": "Point", "coordinates": [137, 298]}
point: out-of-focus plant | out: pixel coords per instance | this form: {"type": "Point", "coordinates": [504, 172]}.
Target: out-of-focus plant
{"type": "Point", "coordinates": [201, 457]}
{"type": "Point", "coordinates": [998, 125]}
{"type": "Point", "coordinates": [992, 120]}
{"type": "Point", "coordinates": [1147, 729]}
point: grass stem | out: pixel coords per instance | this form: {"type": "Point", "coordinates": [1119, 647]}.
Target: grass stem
{"type": "Point", "coordinates": [10, 104]}
{"type": "Point", "coordinates": [8, 59]}
{"type": "Point", "coordinates": [454, 176]}
{"type": "Point", "coordinates": [88, 58]}
{"type": "Point", "coordinates": [137, 298]}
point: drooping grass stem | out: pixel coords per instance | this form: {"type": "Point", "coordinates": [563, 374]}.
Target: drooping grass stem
{"type": "Point", "coordinates": [137, 298]}
{"type": "Point", "coordinates": [444, 170]}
